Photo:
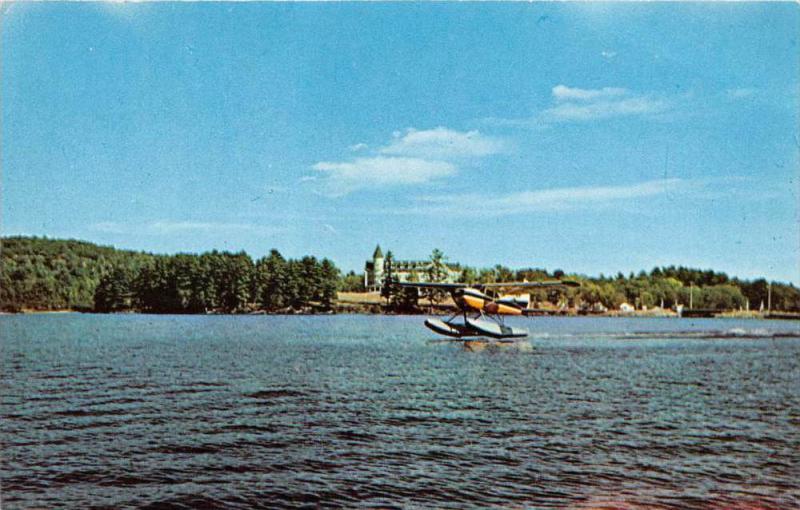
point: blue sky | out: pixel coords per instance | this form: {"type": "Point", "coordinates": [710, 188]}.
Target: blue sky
{"type": "Point", "coordinates": [588, 137]}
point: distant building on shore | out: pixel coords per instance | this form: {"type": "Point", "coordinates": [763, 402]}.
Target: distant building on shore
{"type": "Point", "coordinates": [376, 270]}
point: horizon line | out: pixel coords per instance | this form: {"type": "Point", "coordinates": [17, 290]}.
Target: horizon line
{"type": "Point", "coordinates": [599, 275]}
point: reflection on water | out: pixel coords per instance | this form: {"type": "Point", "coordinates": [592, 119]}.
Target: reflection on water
{"type": "Point", "coordinates": [265, 412]}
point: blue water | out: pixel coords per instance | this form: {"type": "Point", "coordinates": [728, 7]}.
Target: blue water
{"type": "Point", "coordinates": [139, 411]}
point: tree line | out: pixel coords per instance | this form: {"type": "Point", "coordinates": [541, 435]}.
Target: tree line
{"type": "Point", "coordinates": [45, 274]}
{"type": "Point", "coordinates": [677, 285]}
{"type": "Point", "coordinates": [219, 282]}
{"type": "Point", "coordinates": [50, 274]}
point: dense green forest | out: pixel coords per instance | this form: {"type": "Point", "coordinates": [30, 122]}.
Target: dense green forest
{"type": "Point", "coordinates": [49, 274]}
{"type": "Point", "coordinates": [46, 274]}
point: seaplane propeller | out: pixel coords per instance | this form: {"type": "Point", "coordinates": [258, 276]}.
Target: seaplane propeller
{"type": "Point", "coordinates": [481, 313]}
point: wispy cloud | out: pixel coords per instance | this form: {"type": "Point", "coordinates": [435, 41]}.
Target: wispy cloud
{"type": "Point", "coordinates": [564, 93]}
{"type": "Point", "coordinates": [108, 227]}
{"type": "Point", "coordinates": [554, 199]}
{"type": "Point", "coordinates": [575, 104]}
{"type": "Point", "coordinates": [572, 104]}
{"type": "Point", "coordinates": [380, 171]}
{"type": "Point", "coordinates": [604, 109]}
{"type": "Point", "coordinates": [442, 143]}
{"type": "Point", "coordinates": [411, 157]}
{"type": "Point", "coordinates": [358, 147]}
{"type": "Point", "coordinates": [741, 93]}
{"type": "Point", "coordinates": [171, 227]}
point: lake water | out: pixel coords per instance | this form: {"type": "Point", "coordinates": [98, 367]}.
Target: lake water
{"type": "Point", "coordinates": [148, 411]}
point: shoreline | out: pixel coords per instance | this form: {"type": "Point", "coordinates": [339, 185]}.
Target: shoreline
{"type": "Point", "coordinates": [349, 310]}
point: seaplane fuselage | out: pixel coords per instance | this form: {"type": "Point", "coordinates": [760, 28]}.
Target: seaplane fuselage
{"type": "Point", "coordinates": [470, 299]}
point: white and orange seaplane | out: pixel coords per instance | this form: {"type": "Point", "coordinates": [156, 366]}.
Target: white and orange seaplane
{"type": "Point", "coordinates": [481, 308]}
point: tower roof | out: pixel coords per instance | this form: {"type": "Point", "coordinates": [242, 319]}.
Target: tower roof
{"type": "Point", "coordinates": [378, 253]}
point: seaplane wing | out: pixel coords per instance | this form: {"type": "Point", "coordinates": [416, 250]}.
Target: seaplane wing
{"type": "Point", "coordinates": [514, 286]}
{"type": "Point", "coordinates": [506, 286]}
{"type": "Point", "coordinates": [425, 285]}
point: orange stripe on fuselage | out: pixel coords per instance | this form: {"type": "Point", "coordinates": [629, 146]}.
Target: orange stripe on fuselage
{"type": "Point", "coordinates": [501, 309]}
{"type": "Point", "coordinates": [473, 302]}
{"type": "Point", "coordinates": [476, 303]}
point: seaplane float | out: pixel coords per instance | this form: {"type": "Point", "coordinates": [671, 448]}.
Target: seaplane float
{"type": "Point", "coordinates": [481, 308]}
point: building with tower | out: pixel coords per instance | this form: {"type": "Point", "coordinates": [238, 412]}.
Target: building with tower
{"type": "Point", "coordinates": [377, 269]}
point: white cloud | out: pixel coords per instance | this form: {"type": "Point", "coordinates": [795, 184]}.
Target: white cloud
{"type": "Point", "coordinates": [608, 54]}
{"type": "Point", "coordinates": [564, 93]}
{"type": "Point", "coordinates": [171, 227]}
{"type": "Point", "coordinates": [411, 157]}
{"type": "Point", "coordinates": [574, 104]}
{"type": "Point", "coordinates": [556, 199]}
{"type": "Point", "coordinates": [358, 147]}
{"type": "Point", "coordinates": [596, 110]}
{"type": "Point", "coordinates": [345, 177]}
{"type": "Point", "coordinates": [442, 143]}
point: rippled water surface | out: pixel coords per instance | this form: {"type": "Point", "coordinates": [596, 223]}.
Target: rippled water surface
{"type": "Point", "coordinates": [369, 411]}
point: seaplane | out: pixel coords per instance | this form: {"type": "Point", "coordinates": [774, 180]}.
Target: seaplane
{"type": "Point", "coordinates": [482, 307]}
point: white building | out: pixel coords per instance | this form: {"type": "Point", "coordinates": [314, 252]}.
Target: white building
{"type": "Point", "coordinates": [377, 269]}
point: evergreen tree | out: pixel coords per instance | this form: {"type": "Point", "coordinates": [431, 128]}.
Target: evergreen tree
{"type": "Point", "coordinates": [114, 291]}
{"type": "Point", "coordinates": [329, 283]}
{"type": "Point", "coordinates": [271, 276]}
{"type": "Point", "coordinates": [437, 266]}
{"type": "Point", "coordinates": [388, 287]}
{"type": "Point", "coordinates": [468, 275]}
{"type": "Point", "coordinates": [309, 280]}
{"type": "Point", "coordinates": [437, 272]}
